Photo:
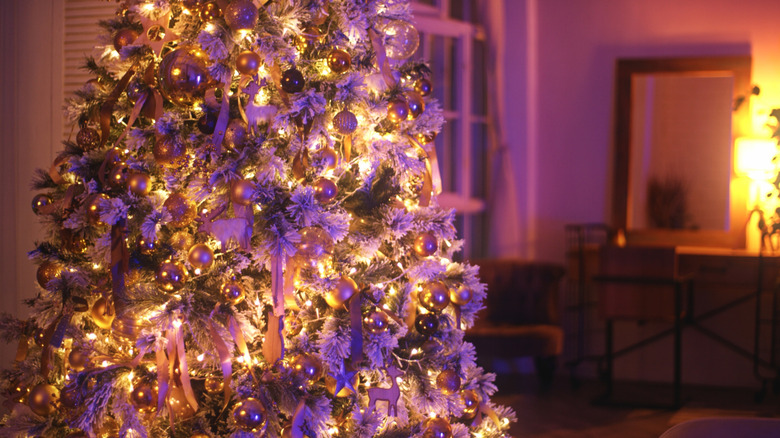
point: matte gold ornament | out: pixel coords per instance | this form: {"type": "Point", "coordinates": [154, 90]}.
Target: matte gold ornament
{"type": "Point", "coordinates": [144, 396]}
{"type": "Point", "coordinates": [214, 384]}
{"type": "Point", "coordinates": [201, 256]}
{"type": "Point", "coordinates": [307, 366]}
{"type": "Point", "coordinates": [377, 322]}
{"type": "Point", "coordinates": [448, 381]}
{"type": "Point", "coordinates": [183, 76]}
{"type": "Point", "coordinates": [426, 323]}
{"type": "Point", "coordinates": [471, 401]}
{"type": "Point", "coordinates": [250, 415]}
{"type": "Point", "coordinates": [77, 359]}
{"type": "Point", "coordinates": [103, 313]}
{"type": "Point", "coordinates": [181, 240]}
{"type": "Point", "coordinates": [402, 39]}
{"type": "Point", "coordinates": [435, 296]}
{"type": "Point", "coordinates": [397, 110]}
{"type": "Point", "coordinates": [43, 399]}
{"type": "Point", "coordinates": [437, 427]}
{"type": "Point", "coordinates": [425, 244]}
{"type": "Point", "coordinates": [293, 81]}
{"type": "Point", "coordinates": [325, 190]}
{"type": "Point", "coordinates": [416, 104]}
{"type": "Point", "coordinates": [170, 151]}
{"type": "Point", "coordinates": [47, 272]}
{"type": "Point", "coordinates": [87, 138]}
{"type": "Point", "coordinates": [241, 15]}
{"type": "Point", "coordinates": [41, 202]}
{"type": "Point", "coordinates": [343, 291]}
{"type": "Point", "coordinates": [210, 11]}
{"type": "Point", "coordinates": [345, 122]}
{"type": "Point", "coordinates": [139, 184]}
{"type": "Point", "coordinates": [171, 276]}
{"type": "Point", "coordinates": [232, 292]}
{"type": "Point", "coordinates": [424, 139]}
{"type": "Point", "coordinates": [339, 61]}
{"type": "Point", "coordinates": [424, 87]}
{"type": "Point", "coordinates": [329, 157]}
{"type": "Point", "coordinates": [248, 63]}
{"type": "Point", "coordinates": [315, 245]}
{"type": "Point", "coordinates": [178, 404]}
{"type": "Point", "coordinates": [117, 178]}
{"type": "Point", "coordinates": [124, 37]}
{"type": "Point", "coordinates": [93, 206]}
{"type": "Point", "coordinates": [235, 134]}
{"type": "Point", "coordinates": [242, 192]}
{"type": "Point", "coordinates": [180, 208]}
{"type": "Point", "coordinates": [461, 296]}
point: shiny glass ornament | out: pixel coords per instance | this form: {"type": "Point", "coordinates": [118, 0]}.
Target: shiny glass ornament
{"type": "Point", "coordinates": [437, 427]}
{"type": "Point", "coordinates": [183, 76]}
{"type": "Point", "coordinates": [314, 245]}
{"type": "Point", "coordinates": [126, 328]}
{"type": "Point", "coordinates": [471, 401]}
{"type": "Point", "coordinates": [339, 61]}
{"type": "Point", "coordinates": [235, 134]}
{"type": "Point", "coordinates": [242, 192]}
{"type": "Point", "coordinates": [93, 206]}
{"type": "Point", "coordinates": [180, 208]}
{"type": "Point", "coordinates": [214, 384]}
{"type": "Point", "coordinates": [178, 404]}
{"type": "Point", "coordinates": [401, 39]}
{"type": "Point", "coordinates": [143, 397]}
{"type": "Point", "coordinates": [307, 366]}
{"type": "Point", "coordinates": [325, 190]}
{"type": "Point", "coordinates": [43, 399]}
{"type": "Point", "coordinates": [345, 122]}
{"type": "Point", "coordinates": [425, 244]}
{"type": "Point", "coordinates": [424, 87]}
{"type": "Point", "coordinates": [40, 202]}
{"type": "Point", "coordinates": [292, 325]}
{"type": "Point", "coordinates": [397, 110]}
{"type": "Point", "coordinates": [124, 37]}
{"type": "Point", "coordinates": [77, 359]}
{"type": "Point", "coordinates": [47, 272]}
{"type": "Point", "coordinates": [416, 104]}
{"type": "Point", "coordinates": [424, 139]}
{"type": "Point", "coordinates": [248, 63]}
{"type": "Point", "coordinates": [103, 313]}
{"type": "Point", "coordinates": [435, 296]}
{"type": "Point", "coordinates": [329, 157]}
{"type": "Point", "coordinates": [250, 415]}
{"type": "Point", "coordinates": [293, 81]}
{"type": "Point", "coordinates": [117, 177]}
{"type": "Point", "coordinates": [209, 11]}
{"type": "Point", "coordinates": [171, 276]}
{"type": "Point", "coordinates": [426, 323]}
{"type": "Point", "coordinates": [448, 381]}
{"type": "Point", "coordinates": [343, 290]}
{"type": "Point", "coordinates": [201, 256]}
{"type": "Point", "coordinates": [87, 138]}
{"type": "Point", "coordinates": [170, 152]}
{"type": "Point", "coordinates": [241, 15]}
{"type": "Point", "coordinates": [232, 292]}
{"type": "Point", "coordinates": [461, 295]}
{"type": "Point", "coordinates": [139, 184]}
{"type": "Point", "coordinates": [377, 322]}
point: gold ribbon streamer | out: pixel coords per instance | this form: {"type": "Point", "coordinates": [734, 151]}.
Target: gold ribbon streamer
{"type": "Point", "coordinates": [54, 172]}
{"type": "Point", "coordinates": [300, 162]}
{"type": "Point", "coordinates": [245, 80]}
{"type": "Point", "coordinates": [381, 57]}
{"type": "Point", "coordinates": [107, 108]}
{"type": "Point", "coordinates": [296, 424]}
{"type": "Point", "coordinates": [222, 119]}
{"type": "Point", "coordinates": [162, 378]}
{"type": "Point", "coordinates": [277, 284]}
{"type": "Point", "coordinates": [225, 359]}
{"type": "Point", "coordinates": [238, 336]}
{"type": "Point", "coordinates": [347, 147]}
{"type": "Point", "coordinates": [184, 370]}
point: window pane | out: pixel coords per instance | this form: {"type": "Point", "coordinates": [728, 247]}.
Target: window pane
{"type": "Point", "coordinates": [479, 79]}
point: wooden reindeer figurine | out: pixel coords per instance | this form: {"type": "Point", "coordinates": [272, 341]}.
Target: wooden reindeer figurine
{"type": "Point", "coordinates": [237, 229]}
{"type": "Point", "coordinates": [390, 395]}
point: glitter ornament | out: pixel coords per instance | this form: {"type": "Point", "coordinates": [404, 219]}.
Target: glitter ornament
{"type": "Point", "coordinates": [171, 276]}
{"type": "Point", "coordinates": [124, 37]}
{"type": "Point", "coordinates": [292, 81]}
{"type": "Point", "coordinates": [343, 291]}
{"type": "Point", "coordinates": [209, 11]}
{"type": "Point", "coordinates": [43, 399]}
{"type": "Point", "coordinates": [448, 381]}
{"type": "Point", "coordinates": [250, 415]}
{"type": "Point", "coordinates": [325, 190]}
{"type": "Point", "coordinates": [425, 244]}
{"type": "Point", "coordinates": [241, 15]}
{"type": "Point", "coordinates": [87, 138]}
{"type": "Point", "coordinates": [232, 292]}
{"type": "Point", "coordinates": [180, 208]}
{"type": "Point", "coordinates": [339, 61]}
{"type": "Point", "coordinates": [242, 192]}
{"type": "Point", "coordinates": [201, 256]}
{"type": "Point", "coordinates": [40, 202]}
{"type": "Point", "coordinates": [248, 63]}
{"type": "Point", "coordinates": [139, 184]}
{"type": "Point", "coordinates": [345, 122]}
{"type": "Point", "coordinates": [103, 313]}
{"type": "Point", "coordinates": [435, 296]}
{"type": "Point", "coordinates": [183, 76]}
{"type": "Point", "coordinates": [402, 39]}
{"type": "Point", "coordinates": [181, 240]}
{"type": "Point", "coordinates": [170, 152]}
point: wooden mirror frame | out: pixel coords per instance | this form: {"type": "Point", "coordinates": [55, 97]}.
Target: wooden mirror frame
{"type": "Point", "coordinates": [734, 237]}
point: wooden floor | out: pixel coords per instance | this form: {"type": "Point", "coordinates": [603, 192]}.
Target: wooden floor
{"type": "Point", "coordinates": [563, 412]}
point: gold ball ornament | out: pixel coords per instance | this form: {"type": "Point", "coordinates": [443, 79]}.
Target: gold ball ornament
{"type": "Point", "coordinates": [292, 325]}
{"type": "Point", "coordinates": [461, 296]}
{"type": "Point", "coordinates": [435, 296]}
{"type": "Point", "coordinates": [93, 202]}
{"type": "Point", "coordinates": [126, 328]}
{"type": "Point", "coordinates": [416, 104]}
{"type": "Point", "coordinates": [424, 139]}
{"type": "Point", "coordinates": [250, 415]}
{"type": "Point", "coordinates": [171, 276]}
{"type": "Point", "coordinates": [242, 192]}
{"type": "Point", "coordinates": [339, 61]}
{"type": "Point", "coordinates": [40, 202]}
{"type": "Point", "coordinates": [43, 399]}
{"type": "Point", "coordinates": [180, 208]}
{"type": "Point", "coordinates": [232, 292]}
{"type": "Point", "coordinates": [87, 138]}
{"type": "Point", "coordinates": [179, 406]}
{"type": "Point", "coordinates": [183, 76]}
{"type": "Point", "coordinates": [77, 359]}
{"type": "Point", "coordinates": [307, 366]}
{"type": "Point", "coordinates": [241, 15]}
{"type": "Point", "coordinates": [397, 110]}
{"type": "Point", "coordinates": [293, 81]}
{"type": "Point", "coordinates": [210, 11]}
{"type": "Point", "coordinates": [309, 36]}
{"type": "Point", "coordinates": [425, 244]}
{"type": "Point", "coordinates": [47, 272]}
{"type": "Point", "coordinates": [170, 152]}
{"type": "Point", "coordinates": [235, 134]}
{"type": "Point", "coordinates": [181, 240]}
{"type": "Point", "coordinates": [448, 381]}
{"type": "Point", "coordinates": [144, 396]}
{"type": "Point", "coordinates": [345, 122]}
{"type": "Point", "coordinates": [330, 385]}
{"type": "Point", "coordinates": [103, 313]}
{"type": "Point", "coordinates": [329, 157]}
{"type": "Point", "coordinates": [343, 291]}
{"type": "Point", "coordinates": [471, 401]}
{"type": "Point", "coordinates": [402, 39]}
{"type": "Point", "coordinates": [424, 87]}
{"type": "Point", "coordinates": [214, 384]}
{"type": "Point", "coordinates": [377, 322]}
{"type": "Point", "coordinates": [437, 427]}
{"type": "Point", "coordinates": [248, 63]}
{"type": "Point", "coordinates": [201, 256]}
{"type": "Point", "coordinates": [117, 177]}
{"type": "Point", "coordinates": [325, 190]}
{"type": "Point", "coordinates": [18, 391]}
{"type": "Point", "coordinates": [139, 184]}
{"type": "Point", "coordinates": [124, 37]}
{"type": "Point", "coordinates": [315, 245]}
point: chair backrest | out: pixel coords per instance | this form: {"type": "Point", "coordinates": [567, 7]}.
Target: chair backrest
{"type": "Point", "coordinates": [726, 427]}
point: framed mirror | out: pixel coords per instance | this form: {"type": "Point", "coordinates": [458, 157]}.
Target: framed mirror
{"type": "Point", "coordinates": [675, 124]}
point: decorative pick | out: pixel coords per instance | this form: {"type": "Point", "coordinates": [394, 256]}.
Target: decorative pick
{"type": "Point", "coordinates": [160, 31]}
{"type": "Point", "coordinates": [343, 378]}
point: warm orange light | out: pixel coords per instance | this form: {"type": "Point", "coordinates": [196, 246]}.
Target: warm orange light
{"type": "Point", "coordinates": [754, 157]}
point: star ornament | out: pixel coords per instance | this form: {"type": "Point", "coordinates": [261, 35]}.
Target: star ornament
{"type": "Point", "coordinates": [343, 378]}
{"type": "Point", "coordinates": [157, 32]}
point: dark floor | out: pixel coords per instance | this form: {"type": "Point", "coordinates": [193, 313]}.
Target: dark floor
{"type": "Point", "coordinates": [563, 412]}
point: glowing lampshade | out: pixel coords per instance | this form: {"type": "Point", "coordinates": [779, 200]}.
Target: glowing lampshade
{"type": "Point", "coordinates": [754, 157]}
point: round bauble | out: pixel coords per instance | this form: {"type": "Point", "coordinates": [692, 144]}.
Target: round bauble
{"type": "Point", "coordinates": [47, 272]}
{"type": "Point", "coordinates": [248, 63]}
{"type": "Point", "coordinates": [461, 296]}
{"type": "Point", "coordinates": [139, 184]}
{"type": "Point", "coordinates": [435, 296]}
{"type": "Point", "coordinates": [448, 381]}
{"type": "Point", "coordinates": [92, 203]}
{"type": "Point", "coordinates": [124, 37]}
{"type": "Point", "coordinates": [113, 156]}
{"type": "Point", "coordinates": [201, 256]}
{"type": "Point", "coordinates": [77, 359]}
{"type": "Point", "coordinates": [41, 202]}
{"type": "Point", "coordinates": [179, 406]}
{"type": "Point", "coordinates": [207, 123]}
{"type": "Point", "coordinates": [43, 399]}
{"type": "Point", "coordinates": [329, 157]}
{"type": "Point", "coordinates": [292, 81]}
{"type": "Point", "coordinates": [126, 328]}
{"type": "Point", "coordinates": [103, 313]}
{"type": "Point", "coordinates": [397, 110]}
{"type": "Point", "coordinates": [181, 240]}
{"type": "Point", "coordinates": [307, 366]}
{"type": "Point", "coordinates": [330, 385]}
{"type": "Point", "coordinates": [170, 151]}
{"type": "Point", "coordinates": [18, 391]}
{"type": "Point", "coordinates": [345, 122]}
{"type": "Point", "coordinates": [424, 87]}
{"type": "Point", "coordinates": [117, 177]}
{"type": "Point", "coordinates": [377, 322]}
{"type": "Point", "coordinates": [339, 61]}
{"type": "Point", "coordinates": [146, 246]}
{"type": "Point", "coordinates": [171, 276]}
{"type": "Point", "coordinates": [292, 325]}
{"type": "Point", "coordinates": [242, 192]}
{"type": "Point", "coordinates": [416, 104]}
{"type": "Point", "coordinates": [87, 138]}
{"type": "Point", "coordinates": [214, 384]}
{"type": "Point", "coordinates": [309, 36]}
{"type": "Point", "coordinates": [209, 11]}
{"type": "Point", "coordinates": [325, 190]}
{"type": "Point", "coordinates": [471, 401]}
{"type": "Point", "coordinates": [424, 139]}
{"type": "Point", "coordinates": [249, 415]}
{"type": "Point", "coordinates": [241, 15]}
{"type": "Point", "coordinates": [180, 208]}
{"type": "Point", "coordinates": [144, 396]}
{"type": "Point", "coordinates": [426, 323]}
{"type": "Point", "coordinates": [235, 134]}
{"type": "Point", "coordinates": [343, 291]}
{"type": "Point", "coordinates": [70, 397]}
{"type": "Point", "coordinates": [315, 245]}
{"type": "Point", "coordinates": [437, 427]}
{"type": "Point", "coordinates": [402, 39]}
{"type": "Point", "coordinates": [425, 244]}
{"type": "Point", "coordinates": [183, 76]}
{"type": "Point", "coordinates": [232, 292]}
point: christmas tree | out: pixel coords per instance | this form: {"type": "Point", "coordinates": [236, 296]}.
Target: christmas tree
{"type": "Point", "coordinates": [244, 237]}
